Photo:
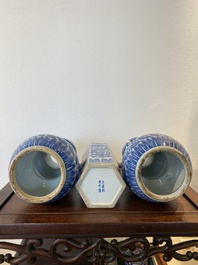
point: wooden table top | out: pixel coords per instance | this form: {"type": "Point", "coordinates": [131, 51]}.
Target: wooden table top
{"type": "Point", "coordinates": [69, 217]}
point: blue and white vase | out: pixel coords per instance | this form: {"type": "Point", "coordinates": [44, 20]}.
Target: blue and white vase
{"type": "Point", "coordinates": [44, 168]}
{"type": "Point", "coordinates": [156, 167]}
{"type": "Point", "coordinates": [100, 184]}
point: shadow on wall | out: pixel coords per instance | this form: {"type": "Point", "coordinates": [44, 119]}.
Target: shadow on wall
{"type": "Point", "coordinates": [193, 143]}
{"type": "Point", "coordinates": [194, 182]}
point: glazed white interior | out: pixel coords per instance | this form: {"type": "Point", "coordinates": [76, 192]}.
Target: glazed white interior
{"type": "Point", "coordinates": [37, 174]}
{"type": "Point", "coordinates": [163, 173]}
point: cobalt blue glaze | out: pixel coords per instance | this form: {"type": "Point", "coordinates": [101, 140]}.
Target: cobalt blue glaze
{"type": "Point", "coordinates": [100, 153]}
{"type": "Point", "coordinates": [134, 150]}
{"type": "Point", "coordinates": [65, 149]}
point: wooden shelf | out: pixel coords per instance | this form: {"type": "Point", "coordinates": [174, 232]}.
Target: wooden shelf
{"type": "Point", "coordinates": [69, 222]}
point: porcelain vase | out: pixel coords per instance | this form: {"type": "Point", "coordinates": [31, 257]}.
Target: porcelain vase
{"type": "Point", "coordinates": [156, 167]}
{"type": "Point", "coordinates": [43, 168]}
{"type": "Point", "coordinates": [100, 183]}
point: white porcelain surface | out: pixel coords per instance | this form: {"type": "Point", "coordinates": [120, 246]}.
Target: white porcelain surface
{"type": "Point", "coordinates": [100, 184]}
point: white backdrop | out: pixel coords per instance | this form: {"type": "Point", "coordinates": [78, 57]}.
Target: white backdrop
{"type": "Point", "coordinates": [98, 71]}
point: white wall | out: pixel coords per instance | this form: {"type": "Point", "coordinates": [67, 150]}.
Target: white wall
{"type": "Point", "coordinates": [98, 71]}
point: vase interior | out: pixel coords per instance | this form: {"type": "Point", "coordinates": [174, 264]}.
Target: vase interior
{"type": "Point", "coordinates": [163, 173]}
{"type": "Point", "coordinates": [37, 173]}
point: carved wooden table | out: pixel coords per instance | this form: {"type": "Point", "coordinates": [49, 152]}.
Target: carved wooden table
{"type": "Point", "coordinates": [68, 232]}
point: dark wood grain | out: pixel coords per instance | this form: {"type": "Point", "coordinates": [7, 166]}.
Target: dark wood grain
{"type": "Point", "coordinates": [5, 194]}
{"type": "Point", "coordinates": [192, 196]}
{"type": "Point", "coordinates": [69, 217]}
